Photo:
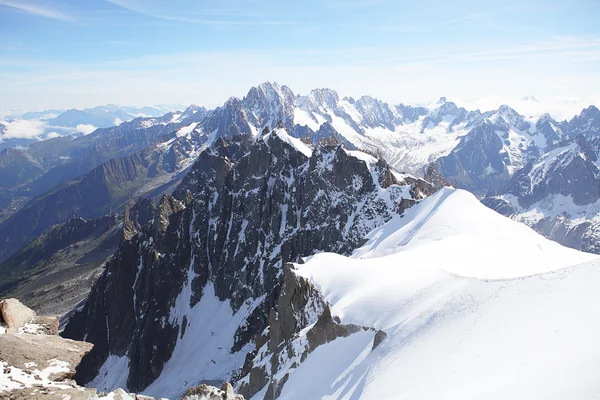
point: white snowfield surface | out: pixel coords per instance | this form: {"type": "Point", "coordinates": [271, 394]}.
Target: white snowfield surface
{"type": "Point", "coordinates": [475, 306]}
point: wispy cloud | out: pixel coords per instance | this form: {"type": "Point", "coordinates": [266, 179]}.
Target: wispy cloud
{"type": "Point", "coordinates": [189, 13]}
{"type": "Point", "coordinates": [36, 9]}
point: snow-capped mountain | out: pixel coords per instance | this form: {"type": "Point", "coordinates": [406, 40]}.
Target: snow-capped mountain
{"type": "Point", "coordinates": [478, 151]}
{"type": "Point", "coordinates": [22, 129]}
{"type": "Point", "coordinates": [184, 298]}
{"type": "Point", "coordinates": [449, 300]}
{"type": "Point", "coordinates": [155, 169]}
{"type": "Point", "coordinates": [558, 193]}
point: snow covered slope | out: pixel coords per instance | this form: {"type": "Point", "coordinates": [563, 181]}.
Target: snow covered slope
{"type": "Point", "coordinates": [469, 304]}
{"type": "Point", "coordinates": [191, 290]}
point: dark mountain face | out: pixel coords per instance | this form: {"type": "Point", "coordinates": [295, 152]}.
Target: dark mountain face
{"type": "Point", "coordinates": [242, 212]}
{"type": "Point", "coordinates": [55, 272]}
{"type": "Point", "coordinates": [587, 123]}
{"type": "Point", "coordinates": [155, 170]}
{"type": "Point", "coordinates": [479, 161]}
{"type": "Point", "coordinates": [17, 165]}
{"type": "Point", "coordinates": [65, 158]}
{"type": "Point", "coordinates": [558, 194]}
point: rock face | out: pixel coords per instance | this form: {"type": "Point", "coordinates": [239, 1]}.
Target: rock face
{"type": "Point", "coordinates": [205, 392]}
{"type": "Point", "coordinates": [14, 314]}
{"type": "Point", "coordinates": [20, 350]}
{"type": "Point", "coordinates": [558, 194]}
{"type": "Point", "coordinates": [281, 348]}
{"type": "Point", "coordinates": [221, 240]}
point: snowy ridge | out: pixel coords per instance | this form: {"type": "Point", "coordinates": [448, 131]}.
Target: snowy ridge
{"type": "Point", "coordinates": [472, 305]}
{"type": "Point", "coordinates": [215, 256]}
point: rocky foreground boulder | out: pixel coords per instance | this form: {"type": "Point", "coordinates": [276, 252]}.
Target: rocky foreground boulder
{"type": "Point", "coordinates": [37, 363]}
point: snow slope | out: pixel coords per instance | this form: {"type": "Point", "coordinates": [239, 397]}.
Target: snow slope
{"type": "Point", "coordinates": [474, 306]}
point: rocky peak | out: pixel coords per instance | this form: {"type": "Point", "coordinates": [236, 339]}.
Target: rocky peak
{"type": "Point", "coordinates": [320, 99]}
{"type": "Point", "coordinates": [375, 113]}
{"type": "Point", "coordinates": [587, 123]}
{"type": "Point", "coordinates": [411, 114]}
{"type": "Point", "coordinates": [244, 217]}
{"type": "Point", "coordinates": [270, 103]}
{"type": "Point", "coordinates": [194, 112]}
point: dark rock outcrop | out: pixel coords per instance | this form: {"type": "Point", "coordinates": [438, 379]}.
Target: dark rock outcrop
{"type": "Point", "coordinates": [233, 222]}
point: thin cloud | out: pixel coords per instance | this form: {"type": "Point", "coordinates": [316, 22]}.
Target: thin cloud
{"type": "Point", "coordinates": [36, 9]}
{"type": "Point", "coordinates": [240, 18]}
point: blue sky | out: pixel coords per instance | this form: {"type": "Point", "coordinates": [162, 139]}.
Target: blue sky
{"type": "Point", "coordinates": [77, 53]}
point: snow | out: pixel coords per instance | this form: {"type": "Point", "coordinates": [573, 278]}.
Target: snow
{"type": "Point", "coordinates": [294, 142]}
{"type": "Point", "coordinates": [367, 158]}
{"type": "Point", "coordinates": [12, 378]}
{"type": "Point", "coordinates": [453, 225]}
{"type": "Point", "coordinates": [112, 374]}
{"type": "Point", "coordinates": [474, 306]}
{"type": "Point", "coordinates": [554, 159]}
{"type": "Point", "coordinates": [203, 353]}
{"type": "Point", "coordinates": [303, 118]}
{"type": "Point", "coordinates": [553, 206]}
{"type": "Point", "coordinates": [186, 130]}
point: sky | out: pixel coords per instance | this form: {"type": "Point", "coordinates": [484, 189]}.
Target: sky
{"type": "Point", "coordinates": [75, 54]}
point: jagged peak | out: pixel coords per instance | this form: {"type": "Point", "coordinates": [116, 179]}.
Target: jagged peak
{"type": "Point", "coordinates": [233, 99]}
{"type": "Point", "coordinates": [324, 94]}
{"type": "Point", "coordinates": [507, 110]}
{"type": "Point", "coordinates": [590, 111]}
{"type": "Point", "coordinates": [269, 89]}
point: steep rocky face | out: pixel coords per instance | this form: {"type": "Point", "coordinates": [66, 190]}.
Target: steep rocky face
{"type": "Point", "coordinates": [220, 243]}
{"type": "Point", "coordinates": [484, 164]}
{"type": "Point", "coordinates": [587, 123]}
{"type": "Point", "coordinates": [56, 271]}
{"type": "Point", "coordinates": [326, 134]}
{"type": "Point", "coordinates": [280, 349]}
{"type": "Point", "coordinates": [558, 194]}
{"type": "Point", "coordinates": [268, 104]}
{"type": "Point", "coordinates": [479, 162]}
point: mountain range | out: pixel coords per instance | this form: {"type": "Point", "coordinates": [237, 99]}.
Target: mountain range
{"type": "Point", "coordinates": [256, 241]}
{"type": "Point", "coordinates": [19, 129]}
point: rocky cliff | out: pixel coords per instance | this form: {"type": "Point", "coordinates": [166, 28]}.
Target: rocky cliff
{"type": "Point", "coordinates": [183, 299]}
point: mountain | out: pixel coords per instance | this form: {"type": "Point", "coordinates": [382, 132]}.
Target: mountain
{"type": "Point", "coordinates": [449, 300]}
{"type": "Point", "coordinates": [55, 272]}
{"type": "Point", "coordinates": [447, 287]}
{"type": "Point", "coordinates": [44, 165]}
{"type": "Point", "coordinates": [558, 194]}
{"type": "Point", "coordinates": [184, 298]}
{"type": "Point", "coordinates": [150, 172]}
{"type": "Point", "coordinates": [477, 151]}
{"type": "Point", "coordinates": [24, 129]}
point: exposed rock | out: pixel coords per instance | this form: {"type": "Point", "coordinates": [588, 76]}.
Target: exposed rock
{"type": "Point", "coordinates": [14, 314]}
{"type": "Point", "coordinates": [379, 337]}
{"type": "Point", "coordinates": [19, 350]}
{"type": "Point", "coordinates": [300, 306]}
{"type": "Point", "coordinates": [55, 271]}
{"type": "Point", "coordinates": [206, 392]}
{"type": "Point", "coordinates": [242, 212]}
